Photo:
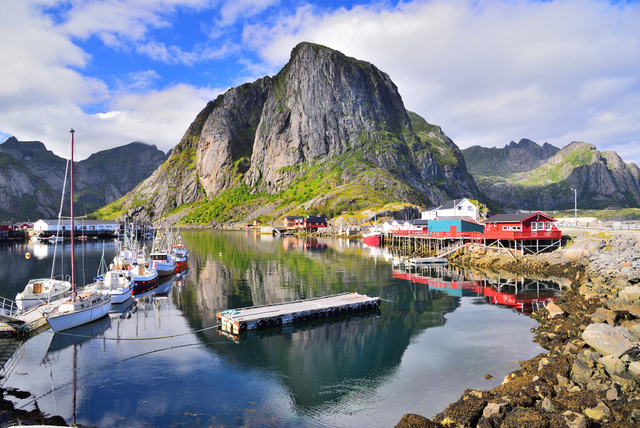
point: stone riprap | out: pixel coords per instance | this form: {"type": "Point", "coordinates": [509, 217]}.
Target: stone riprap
{"type": "Point", "coordinates": [590, 374]}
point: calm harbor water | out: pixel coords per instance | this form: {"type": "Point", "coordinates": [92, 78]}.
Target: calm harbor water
{"type": "Point", "coordinates": [162, 362]}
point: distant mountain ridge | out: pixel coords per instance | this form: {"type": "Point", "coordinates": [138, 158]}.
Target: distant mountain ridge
{"type": "Point", "coordinates": [533, 177]}
{"type": "Point", "coordinates": [327, 134]}
{"type": "Point", "coordinates": [31, 177]}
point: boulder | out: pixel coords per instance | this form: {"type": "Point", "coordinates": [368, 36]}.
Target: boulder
{"type": "Point", "coordinates": [631, 294]}
{"type": "Point", "coordinates": [606, 339]}
{"type": "Point", "coordinates": [613, 365]}
{"type": "Point", "coordinates": [554, 310]}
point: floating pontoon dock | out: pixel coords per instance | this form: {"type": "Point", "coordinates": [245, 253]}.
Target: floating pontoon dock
{"type": "Point", "coordinates": [239, 320]}
{"type": "Point", "coordinates": [16, 322]}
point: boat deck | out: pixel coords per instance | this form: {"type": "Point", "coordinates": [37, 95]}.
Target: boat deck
{"type": "Point", "coordinates": [240, 320]}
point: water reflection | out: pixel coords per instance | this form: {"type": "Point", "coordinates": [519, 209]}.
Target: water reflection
{"type": "Point", "coordinates": [429, 342]}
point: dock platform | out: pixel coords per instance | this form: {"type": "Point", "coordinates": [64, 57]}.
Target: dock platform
{"type": "Point", "coordinates": [16, 322]}
{"type": "Point", "coordinates": [240, 320]}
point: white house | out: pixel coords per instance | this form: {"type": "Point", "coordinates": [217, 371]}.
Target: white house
{"type": "Point", "coordinates": [51, 226]}
{"type": "Point", "coordinates": [453, 208]}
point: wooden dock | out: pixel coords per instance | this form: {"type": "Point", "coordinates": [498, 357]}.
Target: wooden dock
{"type": "Point", "coordinates": [240, 320]}
{"type": "Point", "coordinates": [15, 322]}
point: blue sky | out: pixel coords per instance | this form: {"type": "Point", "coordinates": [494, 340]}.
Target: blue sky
{"type": "Point", "coordinates": [487, 71]}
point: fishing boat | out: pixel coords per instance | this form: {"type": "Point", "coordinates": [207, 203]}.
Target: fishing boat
{"type": "Point", "coordinates": [143, 278]}
{"type": "Point", "coordinates": [41, 290]}
{"type": "Point", "coordinates": [161, 258]}
{"type": "Point", "coordinates": [84, 307]}
{"type": "Point", "coordinates": [163, 262]}
{"type": "Point", "coordinates": [180, 254]}
{"type": "Point", "coordinates": [372, 237]}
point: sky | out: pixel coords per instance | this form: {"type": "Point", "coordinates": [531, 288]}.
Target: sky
{"type": "Point", "coordinates": [487, 71]}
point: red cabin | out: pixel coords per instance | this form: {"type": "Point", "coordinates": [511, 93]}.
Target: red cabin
{"type": "Point", "coordinates": [314, 222]}
{"type": "Point", "coordinates": [534, 232]}
{"type": "Point", "coordinates": [291, 221]}
{"type": "Point", "coordinates": [521, 226]}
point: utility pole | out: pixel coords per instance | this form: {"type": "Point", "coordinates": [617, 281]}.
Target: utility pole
{"type": "Point", "coordinates": [575, 209]}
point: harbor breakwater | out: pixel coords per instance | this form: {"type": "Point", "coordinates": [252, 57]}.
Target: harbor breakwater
{"type": "Point", "coordinates": [590, 374]}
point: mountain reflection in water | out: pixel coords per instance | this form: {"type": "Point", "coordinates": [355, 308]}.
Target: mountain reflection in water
{"type": "Point", "coordinates": [429, 342]}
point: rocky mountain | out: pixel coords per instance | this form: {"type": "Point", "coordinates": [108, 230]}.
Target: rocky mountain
{"type": "Point", "coordinates": [529, 176]}
{"type": "Point", "coordinates": [32, 177]}
{"type": "Point", "coordinates": [522, 156]}
{"type": "Point", "coordinates": [327, 134]}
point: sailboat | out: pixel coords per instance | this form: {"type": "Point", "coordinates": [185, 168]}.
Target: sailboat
{"type": "Point", "coordinates": [87, 305]}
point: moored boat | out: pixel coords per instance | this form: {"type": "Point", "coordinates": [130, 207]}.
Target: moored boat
{"type": "Point", "coordinates": [84, 308]}
{"type": "Point", "coordinates": [180, 254]}
{"type": "Point", "coordinates": [41, 290]}
{"type": "Point", "coordinates": [89, 305]}
{"type": "Point", "coordinates": [143, 278]}
{"type": "Point", "coordinates": [372, 237]}
{"type": "Point", "coordinates": [117, 283]}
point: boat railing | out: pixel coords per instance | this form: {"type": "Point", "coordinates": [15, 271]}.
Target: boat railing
{"type": "Point", "coordinates": [9, 307]}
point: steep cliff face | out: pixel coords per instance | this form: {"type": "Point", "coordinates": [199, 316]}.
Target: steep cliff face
{"type": "Point", "coordinates": [327, 133]}
{"type": "Point", "coordinates": [101, 179]}
{"type": "Point", "coordinates": [323, 104]}
{"type": "Point", "coordinates": [226, 142]}
{"type": "Point", "coordinates": [24, 195]}
{"type": "Point", "coordinates": [602, 180]}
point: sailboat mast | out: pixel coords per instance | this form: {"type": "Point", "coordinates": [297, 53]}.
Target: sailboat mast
{"type": "Point", "coordinates": [73, 254]}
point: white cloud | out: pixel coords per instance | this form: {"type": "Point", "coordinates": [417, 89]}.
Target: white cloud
{"type": "Point", "coordinates": [490, 72]}
{"type": "Point", "coordinates": [232, 10]}
{"type": "Point", "coordinates": [43, 92]}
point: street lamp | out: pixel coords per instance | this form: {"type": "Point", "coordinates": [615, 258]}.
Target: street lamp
{"type": "Point", "coordinates": [575, 209]}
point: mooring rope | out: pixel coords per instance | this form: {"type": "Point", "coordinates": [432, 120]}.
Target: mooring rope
{"type": "Point", "coordinates": [119, 338]}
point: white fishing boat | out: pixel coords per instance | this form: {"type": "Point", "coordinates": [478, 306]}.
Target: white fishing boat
{"type": "Point", "coordinates": [85, 307]}
{"type": "Point", "coordinates": [163, 262]}
{"type": "Point", "coordinates": [41, 290]}
{"type": "Point", "coordinates": [180, 254]}
{"type": "Point", "coordinates": [144, 278]}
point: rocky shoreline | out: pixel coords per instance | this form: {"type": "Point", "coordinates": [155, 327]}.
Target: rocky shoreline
{"type": "Point", "coordinates": [590, 376]}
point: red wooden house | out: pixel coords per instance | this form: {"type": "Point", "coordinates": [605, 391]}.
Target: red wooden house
{"type": "Point", "coordinates": [6, 226]}
{"type": "Point", "coordinates": [314, 222]}
{"type": "Point", "coordinates": [292, 221]}
{"type": "Point", "coordinates": [533, 232]}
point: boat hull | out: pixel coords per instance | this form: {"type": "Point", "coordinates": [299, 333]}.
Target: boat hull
{"type": "Point", "coordinates": [60, 320]}
{"type": "Point", "coordinates": [373, 240]}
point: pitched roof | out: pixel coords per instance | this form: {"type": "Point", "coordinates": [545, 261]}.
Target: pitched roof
{"type": "Point", "coordinates": [418, 222]}
{"type": "Point", "coordinates": [515, 217]}
{"type": "Point", "coordinates": [294, 217]}
{"type": "Point", "coordinates": [316, 218]}
{"type": "Point", "coordinates": [451, 204]}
